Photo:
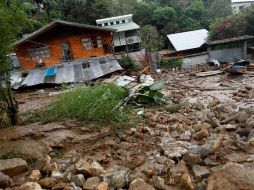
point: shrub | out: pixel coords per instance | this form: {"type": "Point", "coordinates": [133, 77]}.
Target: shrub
{"type": "Point", "coordinates": [127, 63]}
{"type": "Point", "coordinates": [172, 62]}
{"type": "Point", "coordinates": [88, 104]}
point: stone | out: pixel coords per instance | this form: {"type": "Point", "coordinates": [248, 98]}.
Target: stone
{"type": "Point", "coordinates": [230, 127]}
{"type": "Point", "coordinates": [204, 133]}
{"type": "Point", "coordinates": [177, 171]}
{"type": "Point", "coordinates": [209, 162]}
{"type": "Point", "coordinates": [204, 152]}
{"type": "Point", "coordinates": [47, 167]}
{"type": "Point", "coordinates": [35, 175]}
{"type": "Point", "coordinates": [47, 182]}
{"type": "Point", "coordinates": [200, 172]}
{"type": "Point", "coordinates": [5, 180]}
{"type": "Point", "coordinates": [83, 166]}
{"type": "Point", "coordinates": [96, 169]}
{"type": "Point", "coordinates": [91, 183]}
{"type": "Point", "coordinates": [59, 186]}
{"type": "Point", "coordinates": [14, 166]}
{"type": "Point", "coordinates": [192, 158]}
{"type": "Point", "coordinates": [79, 180]}
{"type": "Point", "coordinates": [186, 182]}
{"type": "Point", "coordinates": [103, 186]}
{"type": "Point", "coordinates": [119, 179]}
{"type": "Point", "coordinates": [71, 186]}
{"type": "Point", "coordinates": [174, 150]}
{"type": "Point", "coordinates": [30, 186]}
{"type": "Point", "coordinates": [158, 182]}
{"type": "Point", "coordinates": [140, 184]}
{"type": "Point", "coordinates": [231, 176]}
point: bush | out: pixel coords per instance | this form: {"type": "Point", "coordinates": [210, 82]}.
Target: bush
{"type": "Point", "coordinates": [88, 104]}
{"type": "Point", "coordinates": [172, 62]}
{"type": "Point", "coordinates": [127, 63]}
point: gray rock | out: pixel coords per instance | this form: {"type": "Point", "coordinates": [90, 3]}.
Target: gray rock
{"type": "Point", "coordinates": [119, 179]}
{"type": "Point", "coordinates": [79, 180]}
{"type": "Point", "coordinates": [5, 180]}
{"type": "Point", "coordinates": [158, 182]}
{"type": "Point", "coordinates": [200, 172]}
{"type": "Point", "coordinates": [14, 166]}
{"type": "Point", "coordinates": [192, 158]}
{"type": "Point", "coordinates": [204, 152]}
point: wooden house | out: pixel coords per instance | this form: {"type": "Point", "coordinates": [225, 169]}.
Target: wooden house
{"type": "Point", "coordinates": [60, 42]}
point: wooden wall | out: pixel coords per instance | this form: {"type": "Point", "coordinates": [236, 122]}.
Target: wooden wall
{"type": "Point", "coordinates": [54, 40]}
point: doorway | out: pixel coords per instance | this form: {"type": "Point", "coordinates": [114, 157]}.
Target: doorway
{"type": "Point", "coordinates": [66, 52]}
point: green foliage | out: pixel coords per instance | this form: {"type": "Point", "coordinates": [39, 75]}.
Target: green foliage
{"type": "Point", "coordinates": [10, 154]}
{"type": "Point", "coordinates": [127, 63]}
{"type": "Point", "coordinates": [150, 39]}
{"type": "Point", "coordinates": [172, 62]}
{"type": "Point", "coordinates": [88, 104]}
{"type": "Point", "coordinates": [163, 15]}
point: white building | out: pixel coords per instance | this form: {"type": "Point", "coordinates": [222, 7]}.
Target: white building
{"type": "Point", "coordinates": [126, 37]}
{"type": "Point", "coordinates": [238, 5]}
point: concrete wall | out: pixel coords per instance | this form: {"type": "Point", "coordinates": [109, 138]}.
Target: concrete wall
{"type": "Point", "coordinates": [225, 55]}
{"type": "Point", "coordinates": [195, 60]}
{"type": "Point", "coordinates": [238, 6]}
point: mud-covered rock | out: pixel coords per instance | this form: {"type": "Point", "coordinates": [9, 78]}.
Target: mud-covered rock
{"type": "Point", "coordinates": [14, 166]}
{"type": "Point", "coordinates": [200, 172]}
{"type": "Point", "coordinates": [47, 182]}
{"type": "Point", "coordinates": [5, 180]}
{"type": "Point", "coordinates": [119, 179]}
{"type": "Point", "coordinates": [79, 180]}
{"type": "Point", "coordinates": [231, 176]}
{"type": "Point", "coordinates": [140, 184]}
{"type": "Point", "coordinates": [35, 175]}
{"type": "Point", "coordinates": [30, 186]}
{"type": "Point", "coordinates": [91, 183]}
{"type": "Point", "coordinates": [186, 182]}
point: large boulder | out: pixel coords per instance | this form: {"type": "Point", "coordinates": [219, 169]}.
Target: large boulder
{"type": "Point", "coordinates": [14, 166]}
{"type": "Point", "coordinates": [232, 176]}
{"type": "Point", "coordinates": [5, 180]}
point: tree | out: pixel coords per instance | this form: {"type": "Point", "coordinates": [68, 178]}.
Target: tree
{"type": "Point", "coordinates": [150, 38]}
{"type": "Point", "coordinates": [163, 15]}
{"type": "Point", "coordinates": [12, 20]}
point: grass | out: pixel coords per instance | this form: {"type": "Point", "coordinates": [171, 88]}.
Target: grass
{"type": "Point", "coordinates": [90, 104]}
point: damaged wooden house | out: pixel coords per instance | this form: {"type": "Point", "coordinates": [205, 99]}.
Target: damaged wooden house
{"type": "Point", "coordinates": [66, 52]}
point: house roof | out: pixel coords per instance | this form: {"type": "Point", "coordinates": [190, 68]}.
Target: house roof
{"type": "Point", "coordinates": [241, 1]}
{"type": "Point", "coordinates": [54, 24]}
{"type": "Point", "coordinates": [124, 27]}
{"type": "Point", "coordinates": [73, 72]}
{"type": "Point", "coordinates": [122, 17]}
{"type": "Point", "coordinates": [188, 40]}
{"type": "Point", "coordinates": [228, 40]}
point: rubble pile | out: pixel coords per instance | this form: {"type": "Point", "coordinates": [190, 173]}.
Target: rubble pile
{"type": "Point", "coordinates": [203, 138]}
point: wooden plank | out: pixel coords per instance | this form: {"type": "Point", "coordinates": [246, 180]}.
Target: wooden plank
{"type": "Point", "coordinates": [208, 73]}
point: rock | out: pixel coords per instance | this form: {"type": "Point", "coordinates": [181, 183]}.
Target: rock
{"type": "Point", "coordinates": [59, 186]}
{"type": "Point", "coordinates": [5, 180]}
{"type": "Point", "coordinates": [14, 166]}
{"type": "Point", "coordinates": [204, 133]}
{"type": "Point", "coordinates": [186, 182]}
{"type": "Point", "coordinates": [177, 172]}
{"type": "Point", "coordinates": [30, 186]}
{"type": "Point", "coordinates": [192, 158]}
{"type": "Point", "coordinates": [35, 176]}
{"type": "Point", "coordinates": [204, 152]}
{"type": "Point", "coordinates": [96, 169]}
{"type": "Point", "coordinates": [140, 184]}
{"type": "Point", "coordinates": [200, 172]}
{"type": "Point", "coordinates": [158, 182]}
{"type": "Point", "coordinates": [47, 167]}
{"type": "Point", "coordinates": [58, 175]}
{"type": "Point", "coordinates": [47, 182]}
{"type": "Point", "coordinates": [79, 180]}
{"type": "Point", "coordinates": [71, 186]}
{"type": "Point", "coordinates": [119, 179]}
{"type": "Point", "coordinates": [174, 150]}
{"type": "Point", "coordinates": [83, 166]}
{"type": "Point", "coordinates": [231, 176]}
{"type": "Point", "coordinates": [103, 186]}
{"type": "Point", "coordinates": [230, 127]}
{"type": "Point", "coordinates": [91, 183]}
{"type": "Point", "coordinates": [209, 162]}
{"type": "Point", "coordinates": [200, 186]}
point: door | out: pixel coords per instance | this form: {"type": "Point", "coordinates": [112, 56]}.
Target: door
{"type": "Point", "coordinates": [66, 52]}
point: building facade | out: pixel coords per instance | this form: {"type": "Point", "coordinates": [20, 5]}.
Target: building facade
{"type": "Point", "coordinates": [60, 42]}
{"type": "Point", "coordinates": [126, 36]}
{"type": "Point", "coordinates": [238, 5]}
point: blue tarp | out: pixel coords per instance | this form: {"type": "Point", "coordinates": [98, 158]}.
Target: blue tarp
{"type": "Point", "coordinates": [50, 72]}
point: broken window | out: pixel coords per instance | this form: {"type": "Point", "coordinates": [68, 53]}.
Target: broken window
{"type": "Point", "coordinates": [87, 43]}
{"type": "Point", "coordinates": [39, 52]}
{"type": "Point", "coordinates": [85, 65]}
{"type": "Point", "coordinates": [92, 42]}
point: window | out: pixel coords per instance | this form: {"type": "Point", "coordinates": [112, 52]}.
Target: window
{"type": "Point", "coordinates": [39, 52]}
{"type": "Point", "coordinates": [87, 43]}
{"type": "Point", "coordinates": [85, 65]}
{"type": "Point", "coordinates": [92, 42]}
{"type": "Point", "coordinates": [99, 24]}
{"type": "Point", "coordinates": [123, 21]}
{"type": "Point", "coordinates": [111, 23]}
{"type": "Point", "coordinates": [105, 24]}
{"type": "Point", "coordinates": [117, 22]}
{"type": "Point", "coordinates": [130, 33]}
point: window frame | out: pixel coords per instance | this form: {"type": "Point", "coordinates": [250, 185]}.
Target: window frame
{"type": "Point", "coordinates": [35, 53]}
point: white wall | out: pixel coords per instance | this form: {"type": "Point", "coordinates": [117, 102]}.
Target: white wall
{"type": "Point", "coordinates": [195, 60]}
{"type": "Point", "coordinates": [226, 55]}
{"type": "Point", "coordinates": [119, 39]}
{"type": "Point", "coordinates": [237, 6]}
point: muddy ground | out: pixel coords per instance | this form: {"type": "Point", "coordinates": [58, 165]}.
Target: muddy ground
{"type": "Point", "coordinates": [190, 143]}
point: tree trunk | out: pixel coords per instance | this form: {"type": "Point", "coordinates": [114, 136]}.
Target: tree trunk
{"type": "Point", "coordinates": [13, 109]}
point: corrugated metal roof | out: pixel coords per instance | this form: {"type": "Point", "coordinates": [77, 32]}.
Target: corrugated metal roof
{"type": "Point", "coordinates": [188, 40]}
{"type": "Point", "coordinates": [72, 72]}
{"type": "Point", "coordinates": [229, 40]}
{"type": "Point", "coordinates": [123, 27]}
{"type": "Point", "coordinates": [242, 1]}
{"type": "Point", "coordinates": [54, 24]}
{"type": "Point", "coordinates": [122, 17]}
